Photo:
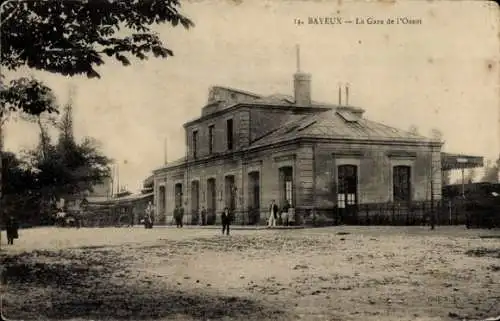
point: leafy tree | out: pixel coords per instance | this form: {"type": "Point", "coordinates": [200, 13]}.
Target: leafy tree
{"type": "Point", "coordinates": [68, 168]}
{"type": "Point", "coordinates": [491, 172]}
{"type": "Point", "coordinates": [75, 37]}
{"type": "Point", "coordinates": [21, 190]}
{"type": "Point", "coordinates": [71, 171]}
{"type": "Point", "coordinates": [470, 176]}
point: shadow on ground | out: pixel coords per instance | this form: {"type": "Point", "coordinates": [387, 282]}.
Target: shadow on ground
{"type": "Point", "coordinates": [105, 290]}
{"type": "Point", "coordinates": [481, 251]}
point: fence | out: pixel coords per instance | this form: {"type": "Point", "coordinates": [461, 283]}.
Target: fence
{"type": "Point", "coordinates": [414, 213]}
{"type": "Point", "coordinates": [455, 212]}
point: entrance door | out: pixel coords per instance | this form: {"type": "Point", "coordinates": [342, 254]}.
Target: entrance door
{"type": "Point", "coordinates": [211, 201]}
{"type": "Point", "coordinates": [178, 195]}
{"type": "Point", "coordinates": [253, 197]}
{"type": "Point", "coordinates": [195, 201]}
{"type": "Point", "coordinates": [230, 193]}
{"type": "Point", "coordinates": [286, 186]}
{"type": "Point", "coordinates": [347, 194]}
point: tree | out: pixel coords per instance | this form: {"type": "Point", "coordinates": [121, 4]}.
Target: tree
{"type": "Point", "coordinates": [21, 192]}
{"type": "Point", "coordinates": [68, 171]}
{"type": "Point", "coordinates": [68, 168]}
{"type": "Point", "coordinates": [471, 175]}
{"type": "Point", "coordinates": [74, 37]}
{"type": "Point", "coordinates": [491, 172]}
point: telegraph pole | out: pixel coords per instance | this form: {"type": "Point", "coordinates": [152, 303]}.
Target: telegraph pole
{"type": "Point", "coordinates": [165, 150]}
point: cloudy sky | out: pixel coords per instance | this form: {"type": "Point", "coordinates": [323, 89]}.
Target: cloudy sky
{"type": "Point", "coordinates": [442, 73]}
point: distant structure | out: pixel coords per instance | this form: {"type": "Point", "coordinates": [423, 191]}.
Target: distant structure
{"type": "Point", "coordinates": [247, 149]}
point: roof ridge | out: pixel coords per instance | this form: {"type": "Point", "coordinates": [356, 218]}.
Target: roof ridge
{"type": "Point", "coordinates": [241, 91]}
{"type": "Point", "coordinates": [395, 129]}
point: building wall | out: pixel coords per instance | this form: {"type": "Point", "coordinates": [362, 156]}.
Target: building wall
{"type": "Point", "coordinates": [220, 136]}
{"type": "Point", "coordinates": [375, 164]}
{"type": "Point", "coordinates": [263, 121]}
{"type": "Point", "coordinates": [314, 175]}
{"type": "Point", "coordinates": [248, 125]}
{"type": "Point", "coordinates": [267, 163]}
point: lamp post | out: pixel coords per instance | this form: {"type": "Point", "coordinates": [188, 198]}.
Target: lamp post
{"type": "Point", "coordinates": [462, 161]}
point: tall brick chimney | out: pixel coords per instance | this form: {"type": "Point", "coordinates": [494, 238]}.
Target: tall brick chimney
{"type": "Point", "coordinates": [302, 85]}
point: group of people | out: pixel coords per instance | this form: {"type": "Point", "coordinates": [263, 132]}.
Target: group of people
{"type": "Point", "coordinates": [148, 218]}
{"type": "Point", "coordinates": [226, 218]}
{"type": "Point", "coordinates": [279, 217]}
{"type": "Point", "coordinates": [276, 216]}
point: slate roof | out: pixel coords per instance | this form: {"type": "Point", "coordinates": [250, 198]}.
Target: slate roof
{"type": "Point", "coordinates": [339, 124]}
{"type": "Point", "coordinates": [118, 200]}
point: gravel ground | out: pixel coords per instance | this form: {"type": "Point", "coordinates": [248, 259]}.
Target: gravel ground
{"type": "Point", "coordinates": [340, 273]}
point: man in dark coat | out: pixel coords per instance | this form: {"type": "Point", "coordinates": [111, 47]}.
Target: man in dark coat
{"type": "Point", "coordinates": [203, 216]}
{"type": "Point", "coordinates": [226, 218]}
{"type": "Point", "coordinates": [178, 216]}
{"type": "Point", "coordinates": [12, 230]}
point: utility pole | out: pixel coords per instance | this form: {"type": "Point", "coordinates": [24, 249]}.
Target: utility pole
{"type": "Point", "coordinates": [118, 178]}
{"type": "Point", "coordinates": [165, 146]}
{"type": "Point", "coordinates": [463, 161]}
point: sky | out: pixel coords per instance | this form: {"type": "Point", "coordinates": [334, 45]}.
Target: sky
{"type": "Point", "coordinates": [442, 73]}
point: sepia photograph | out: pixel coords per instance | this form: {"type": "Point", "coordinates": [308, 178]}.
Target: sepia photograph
{"type": "Point", "coordinates": [249, 160]}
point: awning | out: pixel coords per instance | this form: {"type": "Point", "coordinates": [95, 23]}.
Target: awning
{"type": "Point", "coordinates": [459, 161]}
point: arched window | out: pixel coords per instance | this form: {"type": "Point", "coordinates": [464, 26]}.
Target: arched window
{"type": "Point", "coordinates": [286, 186]}
{"type": "Point", "coordinates": [178, 194]}
{"type": "Point", "coordinates": [162, 199]}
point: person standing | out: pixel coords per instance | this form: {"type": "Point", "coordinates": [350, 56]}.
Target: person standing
{"type": "Point", "coordinates": [12, 230]}
{"type": "Point", "coordinates": [148, 221]}
{"type": "Point", "coordinates": [226, 218]}
{"type": "Point", "coordinates": [203, 216]}
{"type": "Point", "coordinates": [178, 216]}
{"type": "Point", "coordinates": [286, 209]}
{"type": "Point", "coordinates": [181, 216]}
{"type": "Point", "coordinates": [273, 214]}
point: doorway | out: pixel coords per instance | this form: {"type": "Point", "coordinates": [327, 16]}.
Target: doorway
{"type": "Point", "coordinates": [347, 194]}
{"type": "Point", "coordinates": [253, 197]}
{"type": "Point", "coordinates": [211, 201]}
{"type": "Point", "coordinates": [230, 193]}
{"type": "Point", "coordinates": [195, 201]}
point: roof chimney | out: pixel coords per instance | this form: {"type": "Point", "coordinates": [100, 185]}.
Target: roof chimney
{"type": "Point", "coordinates": [340, 94]}
{"type": "Point", "coordinates": [302, 85]}
{"type": "Point", "coordinates": [347, 94]}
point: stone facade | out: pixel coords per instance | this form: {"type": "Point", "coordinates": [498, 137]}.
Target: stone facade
{"type": "Point", "coordinates": [281, 150]}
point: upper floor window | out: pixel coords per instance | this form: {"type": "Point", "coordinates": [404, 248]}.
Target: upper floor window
{"type": "Point", "coordinates": [401, 183]}
{"type": "Point", "coordinates": [211, 139]}
{"type": "Point", "coordinates": [229, 131]}
{"type": "Point", "coordinates": [195, 143]}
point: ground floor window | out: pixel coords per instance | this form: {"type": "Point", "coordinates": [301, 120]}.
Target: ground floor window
{"type": "Point", "coordinates": [347, 185]}
{"type": "Point", "coordinates": [286, 185]}
{"type": "Point", "coordinates": [230, 192]}
{"type": "Point", "coordinates": [401, 176]}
